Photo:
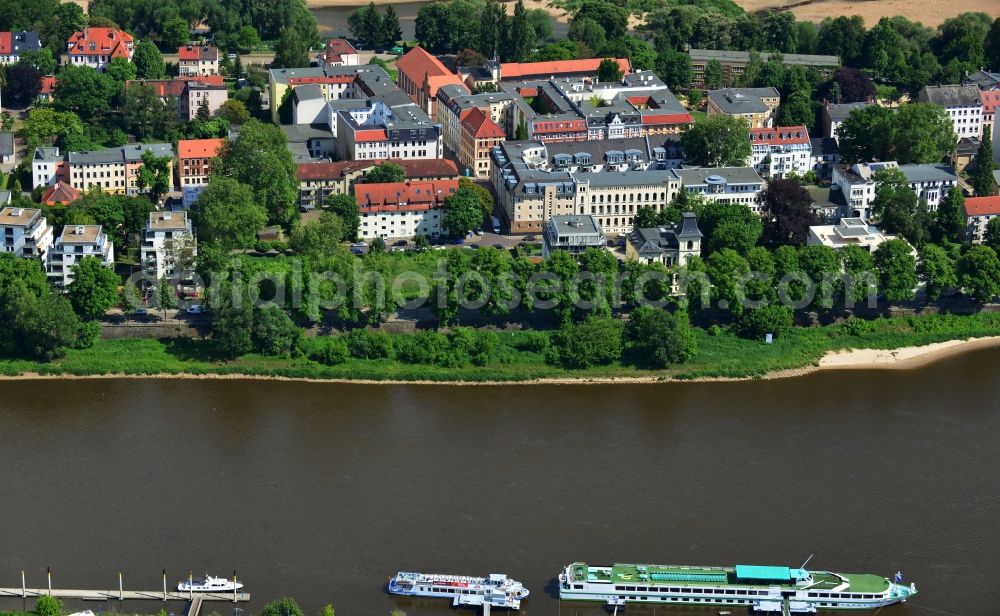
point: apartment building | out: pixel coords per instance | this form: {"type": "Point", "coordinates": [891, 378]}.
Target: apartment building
{"type": "Point", "coordinates": [755, 105]}
{"type": "Point", "coordinates": [978, 213]}
{"type": "Point", "coordinates": [732, 185]}
{"type": "Point", "coordinates": [339, 52]}
{"type": "Point", "coordinates": [197, 60]}
{"type": "Point", "coordinates": [930, 183]}
{"type": "Point", "coordinates": [194, 158]}
{"type": "Point", "coordinates": [455, 103]}
{"type": "Point", "coordinates": [113, 170]}
{"type": "Point", "coordinates": [479, 135]}
{"type": "Point", "coordinates": [25, 232]}
{"type": "Point", "coordinates": [834, 115]}
{"type": "Point", "coordinates": [420, 75]}
{"type": "Point", "coordinates": [96, 47]}
{"type": "Point", "coordinates": [319, 180]}
{"type": "Point", "coordinates": [75, 243]}
{"type": "Point", "coordinates": [777, 152]}
{"type": "Point", "coordinates": [381, 131]}
{"type": "Point", "coordinates": [734, 63]}
{"type": "Point", "coordinates": [964, 105]}
{"type": "Point", "coordinates": [13, 44]}
{"type": "Point", "coordinates": [187, 93]}
{"type": "Point", "coordinates": [168, 246]}
{"type": "Point", "coordinates": [403, 210]}
{"type": "Point", "coordinates": [574, 234]}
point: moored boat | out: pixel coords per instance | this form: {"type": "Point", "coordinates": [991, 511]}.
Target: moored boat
{"type": "Point", "coordinates": [208, 584]}
{"type": "Point", "coordinates": [759, 587]}
{"type": "Point", "coordinates": [497, 590]}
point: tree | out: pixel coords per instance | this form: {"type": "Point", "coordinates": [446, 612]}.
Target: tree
{"type": "Point", "coordinates": [937, 270]}
{"type": "Point", "coordinates": [346, 208]}
{"type": "Point", "coordinates": [462, 212]}
{"type": "Point", "coordinates": [659, 338]}
{"type": "Point", "coordinates": [232, 331]}
{"type": "Point", "coordinates": [714, 78]}
{"type": "Point", "coordinates": [640, 53]}
{"type": "Point", "coordinates": [797, 109]}
{"type": "Point", "coordinates": [154, 175]}
{"type": "Point", "coordinates": [43, 60]}
{"type": "Point", "coordinates": [291, 50]}
{"type": "Point", "coordinates": [46, 126]}
{"type": "Point", "coordinates": [852, 84]}
{"type": "Point", "coordinates": [227, 213]}
{"type": "Point", "coordinates": [979, 273]}
{"type": "Point", "coordinates": [175, 32]}
{"type": "Point", "coordinates": [844, 37]}
{"type": "Point", "coordinates": [24, 82]}
{"type": "Point", "coordinates": [610, 16]}
{"type": "Point", "coordinates": [121, 70]}
{"type": "Point", "coordinates": [492, 18]}
{"type": "Point", "coordinates": [756, 323]}
{"type": "Point", "coordinates": [897, 270]}
{"type": "Point", "coordinates": [84, 91]}
{"type": "Point", "coordinates": [780, 31]}
{"type": "Point", "coordinates": [991, 237]}
{"type": "Point", "coordinates": [368, 344]}
{"type": "Point", "coordinates": [385, 172]}
{"type": "Point", "coordinates": [494, 266]}
{"type": "Point", "coordinates": [963, 38]}
{"type": "Point", "coordinates": [259, 158]}
{"type": "Point", "coordinates": [822, 265]}
{"type": "Point", "coordinates": [143, 113]}
{"type": "Point", "coordinates": [674, 68]}
{"type": "Point", "coordinates": [859, 267]}
{"type": "Point", "coordinates": [47, 605]}
{"type": "Point", "coordinates": [609, 70]}
{"type": "Point", "coordinates": [982, 174]}
{"type": "Point", "coordinates": [923, 134]}
{"type": "Point", "coordinates": [166, 296]}
{"type": "Point", "coordinates": [725, 268]}
{"type": "Point", "coordinates": [234, 112]}
{"type": "Point", "coordinates": [786, 208]}
{"type": "Point", "coordinates": [950, 224]}
{"type": "Point", "coordinates": [273, 333]}
{"type": "Point", "coordinates": [896, 207]}
{"type": "Point", "coordinates": [148, 61]}
{"type": "Point", "coordinates": [521, 34]}
{"type": "Point", "coordinates": [867, 134]}
{"type": "Point", "coordinates": [320, 238]}
{"type": "Point", "coordinates": [719, 141]}
{"type": "Point", "coordinates": [483, 194]}
{"type": "Point", "coordinates": [247, 39]}
{"type": "Point", "coordinates": [991, 48]}
{"type": "Point", "coordinates": [596, 341]}
{"type": "Point", "coordinates": [729, 226]}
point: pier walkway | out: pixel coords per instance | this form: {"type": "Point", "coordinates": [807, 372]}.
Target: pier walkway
{"type": "Point", "coordinates": [123, 595]}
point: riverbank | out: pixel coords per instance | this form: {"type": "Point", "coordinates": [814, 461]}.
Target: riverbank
{"type": "Point", "coordinates": [902, 342]}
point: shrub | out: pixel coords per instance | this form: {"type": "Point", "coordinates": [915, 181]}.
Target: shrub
{"type": "Point", "coordinates": [854, 326]}
{"type": "Point", "coordinates": [533, 342]}
{"type": "Point", "coordinates": [48, 606]}
{"type": "Point", "coordinates": [329, 350]}
{"type": "Point", "coordinates": [367, 344]}
{"type": "Point", "coordinates": [484, 348]}
{"type": "Point", "coordinates": [434, 348]}
{"type": "Point", "coordinates": [596, 341]}
{"type": "Point", "coordinates": [87, 334]}
{"type": "Point", "coordinates": [773, 319]}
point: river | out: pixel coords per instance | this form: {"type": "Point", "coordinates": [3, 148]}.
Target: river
{"type": "Point", "coordinates": [322, 491]}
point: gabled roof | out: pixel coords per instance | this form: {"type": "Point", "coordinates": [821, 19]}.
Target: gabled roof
{"type": "Point", "coordinates": [6, 144]}
{"type": "Point", "coordinates": [100, 42]}
{"type": "Point", "coordinates": [421, 67]}
{"type": "Point", "coordinates": [991, 99]}
{"type": "Point", "coordinates": [951, 96]}
{"type": "Point", "coordinates": [415, 168]}
{"type": "Point", "coordinates": [175, 87]}
{"type": "Point", "coordinates": [415, 195]}
{"type": "Point", "coordinates": [480, 126]}
{"type": "Point", "coordinates": [336, 49]}
{"type": "Point", "coordinates": [16, 43]}
{"type": "Point", "coordinates": [195, 52]}
{"type": "Point", "coordinates": [199, 148]}
{"type": "Point", "coordinates": [523, 70]}
{"type": "Point", "coordinates": [982, 206]}
{"type": "Point", "coordinates": [781, 135]}
{"type": "Point", "coordinates": [60, 194]}
{"type": "Point", "coordinates": [48, 85]}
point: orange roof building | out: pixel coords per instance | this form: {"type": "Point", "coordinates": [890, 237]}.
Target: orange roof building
{"type": "Point", "coordinates": [978, 212]}
{"type": "Point", "coordinates": [403, 210]}
{"type": "Point", "coordinates": [60, 194]}
{"type": "Point", "coordinates": [420, 75]}
{"type": "Point", "coordinates": [96, 47]}
{"type": "Point", "coordinates": [513, 71]}
{"type": "Point", "coordinates": [478, 136]}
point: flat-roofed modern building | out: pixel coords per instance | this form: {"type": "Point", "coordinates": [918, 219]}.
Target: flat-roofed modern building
{"type": "Point", "coordinates": [734, 63]}
{"type": "Point", "coordinates": [24, 232]}
{"type": "Point", "coordinates": [168, 245]}
{"type": "Point", "coordinates": [732, 185]}
{"type": "Point", "coordinates": [573, 233]}
{"type": "Point", "coordinates": [848, 232]}
{"type": "Point", "coordinates": [75, 243]}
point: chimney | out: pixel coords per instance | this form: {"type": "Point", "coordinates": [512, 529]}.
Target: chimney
{"type": "Point", "coordinates": [78, 230]}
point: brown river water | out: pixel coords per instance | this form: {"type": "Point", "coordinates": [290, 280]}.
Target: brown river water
{"type": "Point", "coordinates": [322, 491]}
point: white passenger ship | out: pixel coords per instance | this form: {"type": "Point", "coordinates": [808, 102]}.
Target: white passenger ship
{"type": "Point", "coordinates": [497, 590]}
{"type": "Point", "coordinates": [209, 584]}
{"type": "Point", "coordinates": [762, 588]}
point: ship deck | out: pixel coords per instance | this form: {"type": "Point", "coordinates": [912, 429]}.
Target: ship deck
{"type": "Point", "coordinates": [660, 575]}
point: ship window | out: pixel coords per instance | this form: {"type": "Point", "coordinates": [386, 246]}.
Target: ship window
{"type": "Point", "coordinates": [630, 588]}
{"type": "Point", "coordinates": [578, 586]}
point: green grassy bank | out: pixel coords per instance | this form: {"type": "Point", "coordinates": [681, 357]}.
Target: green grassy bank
{"type": "Point", "coordinates": [720, 355]}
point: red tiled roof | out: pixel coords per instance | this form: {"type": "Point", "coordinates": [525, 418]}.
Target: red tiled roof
{"type": "Point", "coordinates": [982, 206]}
{"type": "Point", "coordinates": [6, 42]}
{"type": "Point", "coordinates": [780, 135]}
{"type": "Point", "coordinates": [60, 194]}
{"type": "Point", "coordinates": [667, 118]}
{"type": "Point", "coordinates": [199, 148]}
{"type": "Point", "coordinates": [107, 42]}
{"type": "Point", "coordinates": [417, 168]}
{"type": "Point", "coordinates": [421, 67]}
{"type": "Point", "coordinates": [48, 85]}
{"type": "Point", "coordinates": [337, 48]}
{"type": "Point", "coordinates": [196, 52]}
{"type": "Point", "coordinates": [404, 196]}
{"type": "Point", "coordinates": [991, 98]}
{"type": "Point", "coordinates": [298, 81]}
{"type": "Point", "coordinates": [175, 87]}
{"type": "Point", "coordinates": [479, 124]}
{"type": "Point", "coordinates": [370, 134]}
{"type": "Point", "coordinates": [515, 70]}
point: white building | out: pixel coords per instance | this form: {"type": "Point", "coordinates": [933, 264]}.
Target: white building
{"type": "Point", "coordinates": [776, 152]}
{"type": "Point", "coordinates": [197, 60]}
{"type": "Point", "coordinates": [732, 185]}
{"type": "Point", "coordinates": [402, 210]}
{"type": "Point", "coordinates": [931, 183]}
{"type": "Point", "coordinates": [978, 213]}
{"type": "Point", "coordinates": [963, 104]}
{"type": "Point", "coordinates": [25, 232]}
{"type": "Point", "coordinates": [857, 185]}
{"type": "Point", "coordinates": [96, 47]}
{"type": "Point", "coordinates": [849, 232]}
{"type": "Point", "coordinates": [167, 244]}
{"type": "Point", "coordinates": [834, 115]}
{"type": "Point", "coordinates": [379, 132]}
{"type": "Point", "coordinates": [574, 234]}
{"type": "Point", "coordinates": [75, 243]}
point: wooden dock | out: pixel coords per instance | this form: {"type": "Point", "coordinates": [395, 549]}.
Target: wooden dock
{"type": "Point", "coordinates": [124, 595]}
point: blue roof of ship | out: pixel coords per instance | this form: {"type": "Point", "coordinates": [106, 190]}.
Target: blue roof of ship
{"type": "Point", "coordinates": [757, 572]}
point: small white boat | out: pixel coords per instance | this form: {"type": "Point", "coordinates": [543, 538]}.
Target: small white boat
{"type": "Point", "coordinates": [83, 613]}
{"type": "Point", "coordinates": [208, 584]}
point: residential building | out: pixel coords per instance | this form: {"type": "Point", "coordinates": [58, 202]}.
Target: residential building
{"type": "Point", "coordinates": [978, 212]}
{"type": "Point", "coordinates": [197, 60]}
{"type": "Point", "coordinates": [931, 183]}
{"type": "Point", "coordinates": [479, 135]}
{"type": "Point", "coordinates": [455, 103]}
{"type": "Point", "coordinates": [337, 83]}
{"type": "Point", "coordinates": [857, 185]}
{"type": "Point", "coordinates": [194, 166]}
{"type": "Point", "coordinates": [339, 52]}
{"type": "Point", "coordinates": [60, 193]}
{"type": "Point", "coordinates": [420, 74]}
{"type": "Point", "coordinates": [75, 243]}
{"type": "Point", "coordinates": [991, 100]}
{"type": "Point", "coordinates": [825, 153]}
{"type": "Point", "coordinates": [834, 115]}
{"type": "Point", "coordinates": [755, 105]}
{"type": "Point", "coordinates": [187, 93]}
{"type": "Point", "coordinates": [965, 152]}
{"type": "Point", "coordinates": [848, 232]}
{"type": "Point", "coordinates": [732, 185]}
{"type": "Point", "coordinates": [319, 180]}
{"type": "Point", "coordinates": [668, 245]}
{"type": "Point", "coordinates": [48, 89]}
{"type": "Point", "coordinates": [25, 232]}
{"type": "Point", "coordinates": [8, 149]}
{"type": "Point", "coordinates": [964, 105]}
{"type": "Point", "coordinates": [404, 209]}
{"type": "Point", "coordinates": [168, 245]}
{"type": "Point", "coordinates": [574, 233]}
{"type": "Point", "coordinates": [309, 105]}
{"type": "Point", "coordinates": [614, 198]}
{"type": "Point", "coordinates": [113, 170]}
{"type": "Point", "coordinates": [556, 69]}
{"type": "Point", "coordinates": [13, 44]}
{"type": "Point", "coordinates": [310, 142]}
{"type": "Point", "coordinates": [777, 152]}
{"type": "Point", "coordinates": [734, 63]}
{"type": "Point", "coordinates": [380, 131]}
{"type": "Point", "coordinates": [630, 153]}
{"type": "Point", "coordinates": [96, 47]}
{"type": "Point", "coordinates": [984, 80]}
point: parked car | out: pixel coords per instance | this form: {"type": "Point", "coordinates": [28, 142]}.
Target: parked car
{"type": "Point", "coordinates": [140, 312]}
{"type": "Point", "coordinates": [400, 243]}
{"type": "Point", "coordinates": [498, 246]}
{"type": "Point", "coordinates": [195, 309]}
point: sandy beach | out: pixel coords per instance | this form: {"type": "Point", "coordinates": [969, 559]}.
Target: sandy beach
{"type": "Point", "coordinates": [904, 358]}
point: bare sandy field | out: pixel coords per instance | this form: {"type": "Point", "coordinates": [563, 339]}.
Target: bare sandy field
{"type": "Point", "coordinates": [929, 12]}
